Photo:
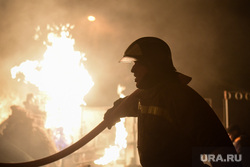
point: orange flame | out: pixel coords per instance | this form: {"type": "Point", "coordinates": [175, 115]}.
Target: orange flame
{"type": "Point", "coordinates": [61, 77]}
{"type": "Point", "coordinates": [113, 152]}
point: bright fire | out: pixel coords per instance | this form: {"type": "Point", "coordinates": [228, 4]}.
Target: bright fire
{"type": "Point", "coordinates": [112, 153]}
{"type": "Point", "coordinates": [61, 78]}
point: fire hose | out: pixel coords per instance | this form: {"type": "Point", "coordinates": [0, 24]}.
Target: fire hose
{"type": "Point", "coordinates": [80, 143]}
{"type": "Point", "coordinates": [52, 158]}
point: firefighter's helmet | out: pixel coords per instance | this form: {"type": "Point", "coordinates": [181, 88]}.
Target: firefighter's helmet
{"type": "Point", "coordinates": [151, 51]}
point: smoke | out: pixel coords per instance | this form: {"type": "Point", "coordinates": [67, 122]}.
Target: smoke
{"type": "Point", "coordinates": [209, 40]}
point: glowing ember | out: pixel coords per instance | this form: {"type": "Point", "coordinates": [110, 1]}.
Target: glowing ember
{"type": "Point", "coordinates": [61, 77]}
{"type": "Point", "coordinates": [113, 152]}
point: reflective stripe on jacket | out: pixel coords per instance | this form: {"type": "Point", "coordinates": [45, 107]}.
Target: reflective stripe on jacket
{"type": "Point", "coordinates": [154, 110]}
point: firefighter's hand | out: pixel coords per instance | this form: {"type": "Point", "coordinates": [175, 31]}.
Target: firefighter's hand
{"type": "Point", "coordinates": [111, 116]}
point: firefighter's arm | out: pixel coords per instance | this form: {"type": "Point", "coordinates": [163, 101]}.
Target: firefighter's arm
{"type": "Point", "coordinates": [122, 107]}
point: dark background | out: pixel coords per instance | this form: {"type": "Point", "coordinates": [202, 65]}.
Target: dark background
{"type": "Point", "coordinates": [238, 111]}
{"type": "Point", "coordinates": [209, 41]}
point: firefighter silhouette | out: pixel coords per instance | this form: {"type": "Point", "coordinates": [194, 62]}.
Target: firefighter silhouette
{"type": "Point", "coordinates": [175, 124]}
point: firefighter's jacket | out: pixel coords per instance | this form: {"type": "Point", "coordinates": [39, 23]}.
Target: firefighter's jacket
{"type": "Point", "coordinates": [175, 125]}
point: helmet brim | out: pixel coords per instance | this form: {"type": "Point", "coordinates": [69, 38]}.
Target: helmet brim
{"type": "Point", "coordinates": [127, 59]}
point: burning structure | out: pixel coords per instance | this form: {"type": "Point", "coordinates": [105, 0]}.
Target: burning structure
{"type": "Point", "coordinates": [58, 111]}
{"type": "Point", "coordinates": [22, 137]}
{"type": "Point", "coordinates": [61, 79]}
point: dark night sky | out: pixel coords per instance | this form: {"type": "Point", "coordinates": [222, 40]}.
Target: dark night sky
{"type": "Point", "coordinates": [209, 39]}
